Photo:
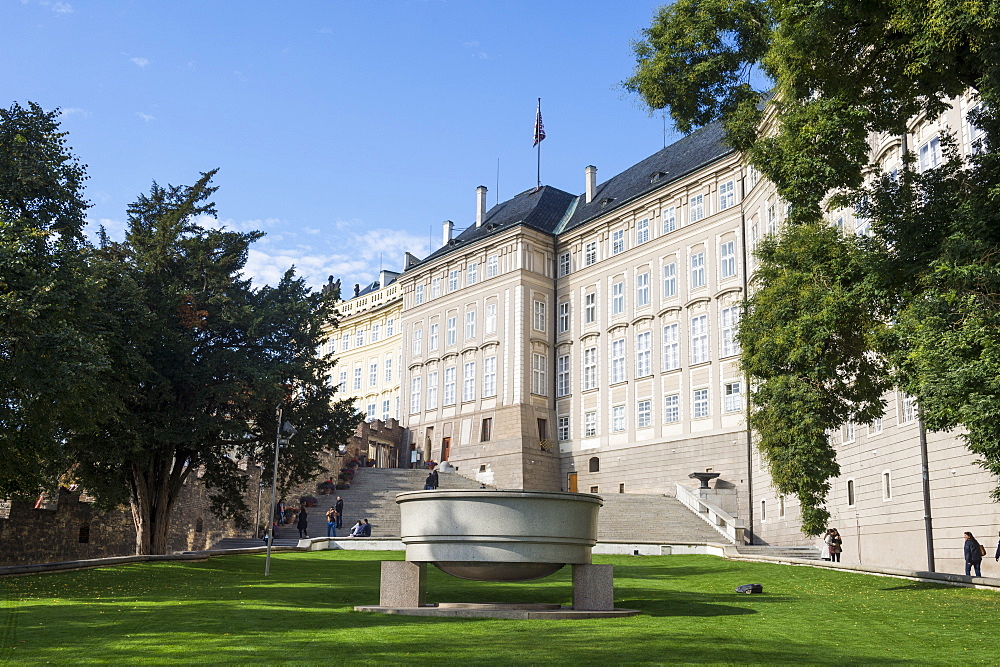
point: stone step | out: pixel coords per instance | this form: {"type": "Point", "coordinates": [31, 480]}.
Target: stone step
{"type": "Point", "coordinates": [810, 553]}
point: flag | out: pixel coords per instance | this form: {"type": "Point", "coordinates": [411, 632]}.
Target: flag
{"type": "Point", "coordinates": [539, 128]}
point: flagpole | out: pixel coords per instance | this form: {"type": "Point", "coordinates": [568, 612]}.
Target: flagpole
{"type": "Point", "coordinates": [539, 146]}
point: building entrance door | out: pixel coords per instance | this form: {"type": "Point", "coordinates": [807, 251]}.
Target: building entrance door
{"type": "Point", "coordinates": [571, 482]}
{"type": "Point", "coordinates": [445, 449]}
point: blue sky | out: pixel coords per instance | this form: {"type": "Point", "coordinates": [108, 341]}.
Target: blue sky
{"type": "Point", "coordinates": [345, 130]}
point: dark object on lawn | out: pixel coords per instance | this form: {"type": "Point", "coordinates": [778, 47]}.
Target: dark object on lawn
{"type": "Point", "coordinates": [750, 588]}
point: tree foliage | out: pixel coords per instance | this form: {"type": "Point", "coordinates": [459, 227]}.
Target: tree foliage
{"type": "Point", "coordinates": [201, 360]}
{"type": "Point", "coordinates": [829, 316]}
{"type": "Point", "coordinates": [51, 350]}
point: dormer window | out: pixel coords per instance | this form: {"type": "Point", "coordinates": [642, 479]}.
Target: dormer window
{"type": "Point", "coordinates": [656, 175]}
{"type": "Point", "coordinates": [606, 201]}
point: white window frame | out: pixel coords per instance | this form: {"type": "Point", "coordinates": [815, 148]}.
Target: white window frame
{"type": "Point", "coordinates": [617, 418]}
{"type": "Point", "coordinates": [472, 273]}
{"type": "Point", "coordinates": [388, 370]}
{"type": "Point", "coordinates": [418, 297]}
{"type": "Point", "coordinates": [432, 390]}
{"type": "Point", "coordinates": [357, 377]}
{"type": "Point", "coordinates": [671, 408]}
{"type": "Point", "coordinates": [907, 408]}
{"type": "Point", "coordinates": [618, 361]}
{"type": "Point", "coordinates": [644, 354]}
{"type": "Point", "coordinates": [563, 386]}
{"type": "Point", "coordinates": [669, 215]}
{"type": "Point", "coordinates": [564, 315]}
{"type": "Point", "coordinates": [453, 280]}
{"type": "Point", "coordinates": [590, 253]}
{"type": "Point", "coordinates": [470, 324]}
{"type": "Point", "coordinates": [415, 395]}
{"type": "Point", "coordinates": [696, 208]}
{"type": "Point", "coordinates": [699, 339]}
{"type": "Point", "coordinates": [450, 375]}
{"type": "Point", "coordinates": [589, 369]}
{"type": "Point", "coordinates": [727, 259]}
{"type": "Point", "coordinates": [418, 336]}
{"type": "Point", "coordinates": [491, 318]}
{"type": "Point", "coordinates": [390, 325]}
{"type": "Point", "coordinates": [376, 331]}
{"type": "Point", "coordinates": [697, 270]}
{"type": "Point", "coordinates": [590, 308]}
{"type": "Point", "coordinates": [618, 297]}
{"type": "Point", "coordinates": [489, 377]}
{"type": "Point", "coordinates": [729, 320]}
{"type": "Point", "coordinates": [565, 260]}
{"type": "Point", "coordinates": [562, 428]}
{"type": "Point", "coordinates": [492, 266]}
{"type": "Point", "coordinates": [642, 231]}
{"type": "Point", "coordinates": [469, 381]}
{"type": "Point", "coordinates": [539, 373]}
{"type": "Point", "coordinates": [435, 287]}
{"type": "Point", "coordinates": [590, 424]}
{"type": "Point", "coordinates": [538, 315]}
{"type": "Point", "coordinates": [642, 289]}
{"type": "Point", "coordinates": [700, 407]}
{"type": "Point", "coordinates": [669, 280]}
{"type": "Point", "coordinates": [451, 330]}
{"type": "Point", "coordinates": [372, 373]}
{"type": "Point", "coordinates": [644, 413]}
{"type": "Point", "coordinates": [671, 346]}
{"type": "Point", "coordinates": [727, 195]}
{"type": "Point", "coordinates": [732, 396]}
{"type": "Point", "coordinates": [432, 337]}
{"type": "Point", "coordinates": [617, 241]}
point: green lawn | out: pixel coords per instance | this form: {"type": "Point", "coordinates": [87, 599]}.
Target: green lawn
{"type": "Point", "coordinates": [224, 610]}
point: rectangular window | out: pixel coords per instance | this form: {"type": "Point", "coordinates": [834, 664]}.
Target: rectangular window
{"type": "Point", "coordinates": [388, 370]}
{"type": "Point", "coordinates": [643, 354]}
{"type": "Point", "coordinates": [538, 379]}
{"type": "Point", "coordinates": [763, 510]}
{"type": "Point", "coordinates": [644, 414]}
{"type": "Point", "coordinates": [376, 330]}
{"type": "Point", "coordinates": [590, 308]}
{"type": "Point", "coordinates": [343, 381]}
{"type": "Point", "coordinates": [589, 368]}
{"type": "Point", "coordinates": [618, 298]}
{"type": "Point", "coordinates": [772, 218]}
{"type": "Point", "coordinates": [617, 241]}
{"type": "Point", "coordinates": [373, 374]}
{"type": "Point", "coordinates": [538, 319]}
{"type": "Point", "coordinates": [357, 378]}
{"type": "Point", "coordinates": [886, 485]}
{"type": "Point", "coordinates": [360, 338]}
{"type": "Point", "coordinates": [618, 361]}
{"type": "Point", "coordinates": [489, 377]}
{"type": "Point", "coordinates": [669, 219]}
{"type": "Point", "coordinates": [492, 266]}
{"type": "Point", "coordinates": [642, 231]}
{"type": "Point", "coordinates": [700, 403]}
{"type": "Point", "coordinates": [697, 208]}
{"type": "Point", "coordinates": [850, 493]}
{"type": "Point", "coordinates": [449, 385]}
{"type": "Point", "coordinates": [727, 259]}
{"type": "Point", "coordinates": [672, 408]}
{"type": "Point", "coordinates": [642, 289]}
{"type": "Point", "coordinates": [564, 264]}
{"type": "Point", "coordinates": [562, 375]}
{"type": "Point", "coordinates": [432, 338]}
{"type": "Point", "coordinates": [618, 418]}
{"type": "Point", "coordinates": [669, 279]}
{"type": "Point", "coordinates": [727, 195]}
{"type": "Point", "coordinates": [733, 395]}
{"type": "Point", "coordinates": [417, 341]}
{"type": "Point", "coordinates": [390, 326]}
{"type": "Point", "coordinates": [346, 340]}
{"type": "Point", "coordinates": [472, 274]}
{"type": "Point", "coordinates": [699, 339]}
{"type": "Point", "coordinates": [564, 317]}
{"type": "Point", "coordinates": [930, 154]}
{"type": "Point", "coordinates": [385, 410]}
{"type": "Point", "coordinates": [419, 298]}
{"type": "Point", "coordinates": [697, 270]}
{"type": "Point", "coordinates": [671, 347]}
{"type": "Point", "coordinates": [590, 424]}
{"type": "Point", "coordinates": [453, 280]}
{"type": "Point", "coordinates": [432, 390]}
{"type": "Point", "coordinates": [435, 288]}
{"type": "Point", "coordinates": [875, 427]}
{"type": "Point", "coordinates": [729, 319]}
{"type": "Point", "coordinates": [848, 432]}
{"type": "Point", "coordinates": [370, 411]}
{"type": "Point", "coordinates": [469, 381]}
{"type": "Point", "coordinates": [907, 411]}
{"type": "Point", "coordinates": [414, 395]}
{"type": "Point", "coordinates": [562, 427]}
{"type": "Point", "coordinates": [590, 253]}
{"type": "Point", "coordinates": [451, 330]}
{"type": "Point", "coordinates": [470, 324]}
{"type": "Point", "coordinates": [486, 432]}
{"type": "Point", "coordinates": [491, 318]}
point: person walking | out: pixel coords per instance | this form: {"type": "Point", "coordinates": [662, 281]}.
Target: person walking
{"type": "Point", "coordinates": [340, 512]}
{"type": "Point", "coordinates": [331, 522]}
{"type": "Point", "coordinates": [973, 555]}
{"type": "Point", "coordinates": [302, 522]}
{"type": "Point", "coordinates": [429, 482]}
{"type": "Point", "coordinates": [997, 557]}
{"type": "Point", "coordinates": [435, 482]}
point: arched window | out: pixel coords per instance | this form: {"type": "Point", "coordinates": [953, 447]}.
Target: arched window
{"type": "Point", "coordinates": [84, 537]}
{"type": "Point", "coordinates": [595, 464]}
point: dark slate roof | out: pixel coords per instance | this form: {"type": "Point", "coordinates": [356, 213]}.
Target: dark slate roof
{"type": "Point", "coordinates": [543, 209]}
{"type": "Point", "coordinates": [682, 157]}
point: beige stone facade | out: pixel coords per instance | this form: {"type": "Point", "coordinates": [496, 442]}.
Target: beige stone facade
{"type": "Point", "coordinates": [587, 342]}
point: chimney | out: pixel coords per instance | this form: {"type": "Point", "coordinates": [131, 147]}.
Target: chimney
{"type": "Point", "coordinates": [447, 227]}
{"type": "Point", "coordinates": [591, 173]}
{"type": "Point", "coordinates": [480, 205]}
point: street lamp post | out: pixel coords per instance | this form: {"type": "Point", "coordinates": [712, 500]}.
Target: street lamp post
{"type": "Point", "coordinates": [285, 431]}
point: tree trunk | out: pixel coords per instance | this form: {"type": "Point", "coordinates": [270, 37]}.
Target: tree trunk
{"type": "Point", "coordinates": [153, 489]}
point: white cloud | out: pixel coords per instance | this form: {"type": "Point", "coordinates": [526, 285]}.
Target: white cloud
{"type": "Point", "coordinates": [62, 8]}
{"type": "Point", "coordinates": [145, 116]}
{"type": "Point", "coordinates": [141, 62]}
{"type": "Point", "coordinates": [73, 111]}
{"type": "Point", "coordinates": [115, 229]}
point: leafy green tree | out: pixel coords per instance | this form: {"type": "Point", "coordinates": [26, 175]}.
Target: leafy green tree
{"type": "Point", "coordinates": [201, 360]}
{"type": "Point", "coordinates": [51, 349]}
{"type": "Point", "coordinates": [914, 302]}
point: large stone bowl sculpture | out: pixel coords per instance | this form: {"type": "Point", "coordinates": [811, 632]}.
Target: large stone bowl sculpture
{"type": "Point", "coordinates": [489, 535]}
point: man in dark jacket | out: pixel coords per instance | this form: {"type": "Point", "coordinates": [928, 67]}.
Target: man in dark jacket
{"type": "Point", "coordinates": [973, 555]}
{"type": "Point", "coordinates": [340, 512]}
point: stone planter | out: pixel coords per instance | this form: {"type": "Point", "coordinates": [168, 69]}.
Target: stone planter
{"type": "Point", "coordinates": [490, 535]}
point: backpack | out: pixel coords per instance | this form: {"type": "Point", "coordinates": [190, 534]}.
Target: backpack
{"type": "Point", "coordinates": [750, 588]}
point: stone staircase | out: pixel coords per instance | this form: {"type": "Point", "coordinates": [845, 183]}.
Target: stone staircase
{"type": "Point", "coordinates": [372, 496]}
{"type": "Point", "coordinates": [627, 517]}
{"type": "Point", "coordinates": [808, 553]}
